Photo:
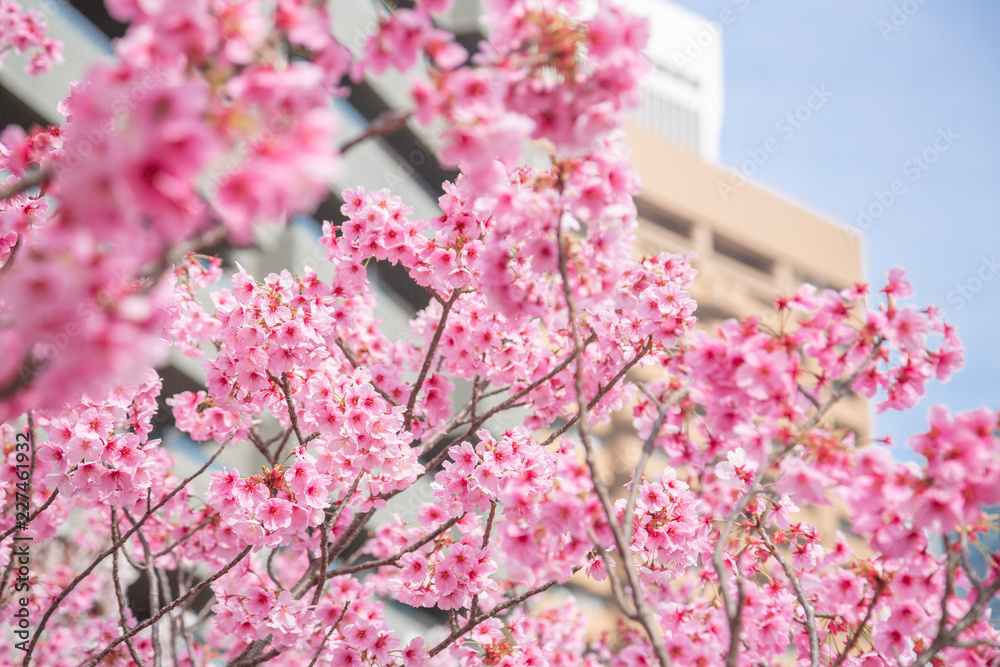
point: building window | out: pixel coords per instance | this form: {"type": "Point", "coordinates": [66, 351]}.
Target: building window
{"type": "Point", "coordinates": [740, 253]}
{"type": "Point", "coordinates": [664, 219]}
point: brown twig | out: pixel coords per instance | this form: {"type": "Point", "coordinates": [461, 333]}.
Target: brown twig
{"type": "Point", "coordinates": [154, 588]}
{"type": "Point", "coordinates": [286, 388]}
{"type": "Point", "coordinates": [431, 350]}
{"type": "Point", "coordinates": [391, 560]}
{"type": "Point", "coordinates": [733, 608]}
{"type": "Point", "coordinates": [800, 594]}
{"type": "Point", "coordinates": [950, 636]}
{"type": "Point", "coordinates": [473, 622]}
{"type": "Point", "coordinates": [116, 582]}
{"type": "Point", "coordinates": [647, 453]}
{"type": "Point", "coordinates": [859, 629]}
{"type": "Point", "coordinates": [28, 181]}
{"type": "Point", "coordinates": [355, 364]}
{"type": "Point", "coordinates": [326, 638]}
{"type": "Point", "coordinates": [385, 123]}
{"type": "Point", "coordinates": [324, 558]}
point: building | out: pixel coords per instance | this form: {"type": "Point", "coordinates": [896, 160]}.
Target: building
{"type": "Point", "coordinates": [682, 99]}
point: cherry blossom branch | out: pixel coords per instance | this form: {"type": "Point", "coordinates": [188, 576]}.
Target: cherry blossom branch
{"type": "Point", "coordinates": [949, 637]}
{"type": "Point", "coordinates": [473, 622]}
{"type": "Point", "coordinates": [859, 629]}
{"type": "Point", "coordinates": [647, 454]}
{"type": "Point", "coordinates": [614, 580]}
{"type": "Point", "coordinates": [733, 608]}
{"type": "Point", "coordinates": [154, 588]}
{"type": "Point", "coordinates": [270, 568]}
{"type": "Point", "coordinates": [310, 575]}
{"type": "Point", "coordinates": [385, 123]}
{"type": "Point", "coordinates": [643, 612]}
{"type": "Point", "coordinates": [474, 606]}
{"type": "Point", "coordinates": [116, 582]}
{"type": "Point", "coordinates": [28, 181]}
{"type": "Point", "coordinates": [194, 590]}
{"type": "Point", "coordinates": [354, 364]}
{"type": "Point", "coordinates": [116, 545]}
{"type": "Point", "coordinates": [799, 594]}
{"type": "Point", "coordinates": [601, 391]}
{"type": "Point", "coordinates": [963, 560]}
{"type": "Point", "coordinates": [324, 558]}
{"type": "Point", "coordinates": [9, 262]}
{"type": "Point", "coordinates": [258, 442]}
{"type": "Point", "coordinates": [251, 655]}
{"type": "Point", "coordinates": [510, 402]}
{"type": "Point", "coordinates": [204, 241]}
{"type": "Point", "coordinates": [459, 418]}
{"type": "Point", "coordinates": [812, 399]}
{"type": "Point", "coordinates": [844, 389]}
{"type": "Point", "coordinates": [475, 394]}
{"type": "Point", "coordinates": [391, 560]}
{"type": "Point", "coordinates": [976, 643]}
{"type": "Point", "coordinates": [286, 389]}
{"type": "Point", "coordinates": [26, 372]}
{"type": "Point", "coordinates": [326, 638]}
{"type": "Point", "coordinates": [558, 368]}
{"type": "Point", "coordinates": [438, 331]}
{"type": "Point", "coordinates": [246, 659]}
{"type": "Point", "coordinates": [183, 538]}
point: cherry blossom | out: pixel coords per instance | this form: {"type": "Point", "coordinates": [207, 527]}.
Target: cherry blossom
{"type": "Point", "coordinates": [457, 471]}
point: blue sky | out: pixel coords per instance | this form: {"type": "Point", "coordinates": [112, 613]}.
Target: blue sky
{"type": "Point", "coordinates": [914, 92]}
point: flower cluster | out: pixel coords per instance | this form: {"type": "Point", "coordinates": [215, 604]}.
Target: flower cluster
{"type": "Point", "coordinates": [136, 166]}
{"type": "Point", "coordinates": [23, 31]}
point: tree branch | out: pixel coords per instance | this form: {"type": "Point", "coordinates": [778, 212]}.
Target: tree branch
{"type": "Point", "coordinates": [391, 560]}
{"type": "Point", "coordinates": [326, 638]}
{"type": "Point", "coordinates": [116, 582]}
{"type": "Point", "coordinates": [647, 453]}
{"type": "Point", "coordinates": [859, 629]}
{"type": "Point", "coordinates": [154, 589]}
{"type": "Point", "coordinates": [28, 181]}
{"type": "Point", "coordinates": [324, 557]}
{"type": "Point", "coordinates": [799, 594]}
{"type": "Point", "coordinates": [438, 331]}
{"type": "Point", "coordinates": [385, 123]}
